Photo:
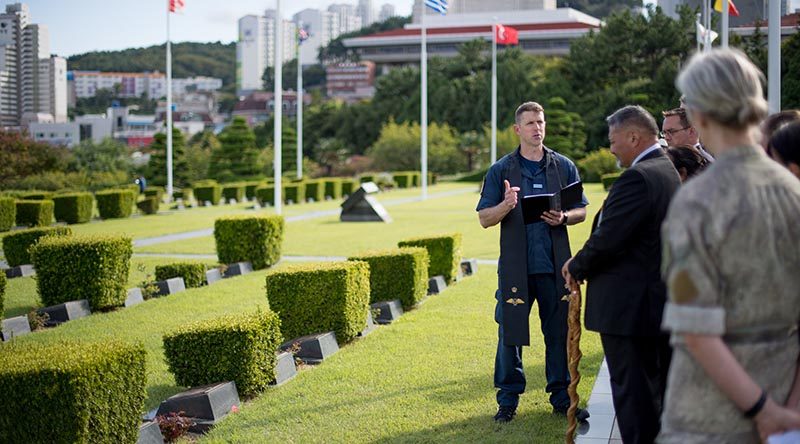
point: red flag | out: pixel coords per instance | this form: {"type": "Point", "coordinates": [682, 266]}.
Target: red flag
{"type": "Point", "coordinates": [176, 5]}
{"type": "Point", "coordinates": [506, 35]}
{"type": "Point", "coordinates": [732, 10]}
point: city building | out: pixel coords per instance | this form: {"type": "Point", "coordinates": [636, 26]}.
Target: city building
{"type": "Point", "coordinates": [481, 6]}
{"type": "Point", "coordinates": [152, 85]}
{"type": "Point", "coordinates": [789, 26]}
{"type": "Point", "coordinates": [365, 11]}
{"type": "Point", "coordinates": [387, 11]}
{"type": "Point", "coordinates": [347, 17]}
{"type": "Point", "coordinates": [90, 126]}
{"type": "Point", "coordinates": [351, 81]}
{"type": "Point", "coordinates": [257, 107]}
{"type": "Point", "coordinates": [255, 50]}
{"type": "Point", "coordinates": [322, 27]}
{"type": "Point", "coordinates": [750, 11]}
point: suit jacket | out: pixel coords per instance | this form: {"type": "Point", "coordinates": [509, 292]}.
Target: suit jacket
{"type": "Point", "coordinates": [622, 258]}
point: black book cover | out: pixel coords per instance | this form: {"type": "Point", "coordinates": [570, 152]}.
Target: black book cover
{"type": "Point", "coordinates": [534, 206]}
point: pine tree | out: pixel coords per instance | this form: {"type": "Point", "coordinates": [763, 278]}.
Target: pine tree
{"type": "Point", "coordinates": [565, 132]}
{"type": "Point", "coordinates": [157, 167]}
{"type": "Point", "coordinates": [237, 156]}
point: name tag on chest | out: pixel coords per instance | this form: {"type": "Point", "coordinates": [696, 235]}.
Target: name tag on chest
{"type": "Point", "coordinates": [538, 186]}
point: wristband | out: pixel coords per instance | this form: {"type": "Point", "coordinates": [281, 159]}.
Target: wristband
{"type": "Point", "coordinates": [564, 218]}
{"type": "Point", "coordinates": [753, 411]}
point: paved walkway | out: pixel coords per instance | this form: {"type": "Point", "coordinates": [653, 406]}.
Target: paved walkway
{"type": "Point", "coordinates": [602, 425]}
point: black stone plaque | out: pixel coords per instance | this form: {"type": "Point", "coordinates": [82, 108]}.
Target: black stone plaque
{"type": "Point", "coordinates": [150, 433]}
{"type": "Point", "coordinates": [284, 368]}
{"type": "Point", "coordinates": [370, 325]}
{"type": "Point", "coordinates": [170, 286]}
{"type": "Point", "coordinates": [314, 348]}
{"type": "Point", "coordinates": [360, 207]}
{"type": "Point", "coordinates": [13, 327]}
{"type": "Point", "coordinates": [238, 269]}
{"type": "Point", "coordinates": [213, 275]}
{"type": "Point", "coordinates": [436, 285]}
{"type": "Point", "coordinates": [135, 296]}
{"type": "Point", "coordinates": [68, 311]}
{"type": "Point", "coordinates": [20, 271]}
{"type": "Point", "coordinates": [469, 267]}
{"type": "Point", "coordinates": [389, 311]}
{"type": "Point", "coordinates": [209, 402]}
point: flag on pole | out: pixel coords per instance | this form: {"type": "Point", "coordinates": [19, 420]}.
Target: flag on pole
{"type": "Point", "coordinates": [701, 33]}
{"type": "Point", "coordinates": [439, 6]}
{"type": "Point", "coordinates": [731, 7]}
{"type": "Point", "coordinates": [302, 35]}
{"type": "Point", "coordinates": [176, 5]}
{"type": "Point", "coordinates": [506, 35]}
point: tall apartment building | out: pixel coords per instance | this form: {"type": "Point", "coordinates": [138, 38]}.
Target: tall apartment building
{"type": "Point", "coordinates": [255, 50]}
{"type": "Point", "coordinates": [366, 12]}
{"type": "Point", "coordinates": [468, 6]}
{"type": "Point", "coordinates": [387, 11]}
{"type": "Point", "coordinates": [348, 17]}
{"type": "Point", "coordinates": [322, 26]}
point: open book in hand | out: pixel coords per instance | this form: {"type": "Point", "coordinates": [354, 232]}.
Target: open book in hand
{"type": "Point", "coordinates": [534, 206]}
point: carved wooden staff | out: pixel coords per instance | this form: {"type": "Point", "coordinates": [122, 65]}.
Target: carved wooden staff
{"type": "Point", "coordinates": [573, 358]}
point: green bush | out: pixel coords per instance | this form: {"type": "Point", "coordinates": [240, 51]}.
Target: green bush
{"type": "Point", "coordinates": [476, 176]}
{"type": "Point", "coordinates": [444, 253]}
{"type": "Point", "coordinates": [432, 178]}
{"type": "Point", "coordinates": [154, 191]}
{"type": "Point", "coordinates": [349, 186]}
{"type": "Point", "coordinates": [315, 189]}
{"type": "Point", "coordinates": [609, 179]}
{"type": "Point", "coordinates": [35, 213]}
{"type": "Point", "coordinates": [233, 191]}
{"type": "Point", "coordinates": [70, 392]}
{"type": "Point", "coordinates": [256, 239]}
{"type": "Point", "coordinates": [36, 195]}
{"type": "Point", "coordinates": [115, 204]}
{"type": "Point", "coordinates": [184, 193]}
{"type": "Point", "coordinates": [266, 194]}
{"type": "Point", "coordinates": [83, 267]}
{"type": "Point", "coordinates": [148, 205]}
{"type": "Point", "coordinates": [296, 192]}
{"type": "Point", "coordinates": [207, 191]}
{"type": "Point", "coordinates": [2, 293]}
{"type": "Point", "coordinates": [397, 274]}
{"type": "Point", "coordinates": [315, 298]}
{"type": "Point", "coordinates": [239, 348]}
{"type": "Point", "coordinates": [250, 189]}
{"type": "Point", "coordinates": [403, 179]}
{"type": "Point", "coordinates": [596, 164]}
{"type": "Point", "coordinates": [8, 213]}
{"type": "Point", "coordinates": [73, 208]}
{"type": "Point", "coordinates": [333, 188]}
{"type": "Point", "coordinates": [193, 273]}
{"type": "Point", "coordinates": [416, 179]}
{"type": "Point", "coordinates": [366, 178]}
{"type": "Point", "coordinates": [16, 245]}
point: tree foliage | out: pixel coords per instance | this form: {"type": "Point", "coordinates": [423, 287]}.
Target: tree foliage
{"type": "Point", "coordinates": [398, 148]}
{"type": "Point", "coordinates": [21, 157]}
{"type": "Point", "coordinates": [157, 167]}
{"type": "Point", "coordinates": [237, 158]}
{"type": "Point", "coordinates": [335, 51]}
{"type": "Point", "coordinates": [107, 155]}
{"type": "Point", "coordinates": [790, 83]}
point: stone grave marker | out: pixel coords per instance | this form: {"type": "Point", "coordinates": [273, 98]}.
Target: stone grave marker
{"type": "Point", "coordinates": [135, 296]}
{"type": "Point", "coordinates": [213, 275]}
{"type": "Point", "coordinates": [20, 271]}
{"type": "Point", "coordinates": [238, 268]}
{"type": "Point", "coordinates": [13, 327]}
{"type": "Point", "coordinates": [388, 311]}
{"type": "Point", "coordinates": [469, 267]}
{"type": "Point", "coordinates": [150, 433]}
{"type": "Point", "coordinates": [314, 348]}
{"type": "Point", "coordinates": [170, 286]}
{"type": "Point", "coordinates": [370, 325]}
{"type": "Point", "coordinates": [285, 369]}
{"type": "Point", "coordinates": [68, 311]}
{"type": "Point", "coordinates": [361, 207]}
{"type": "Point", "coordinates": [205, 405]}
{"type": "Point", "coordinates": [436, 284]}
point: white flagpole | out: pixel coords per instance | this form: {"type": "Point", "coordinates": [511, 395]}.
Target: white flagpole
{"type": "Point", "coordinates": [774, 57]}
{"type": "Point", "coordinates": [725, 23]}
{"type": "Point", "coordinates": [494, 93]}
{"type": "Point", "coordinates": [707, 43]}
{"type": "Point", "coordinates": [169, 111]}
{"type": "Point", "coordinates": [299, 108]}
{"type": "Point", "coordinates": [278, 106]}
{"type": "Point", "coordinates": [697, 31]}
{"type": "Point", "coordinates": [424, 106]}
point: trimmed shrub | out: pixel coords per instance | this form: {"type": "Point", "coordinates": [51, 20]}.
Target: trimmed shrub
{"type": "Point", "coordinates": [366, 178]}
{"type": "Point", "coordinates": [596, 164]}
{"type": "Point", "coordinates": [266, 194]}
{"type": "Point", "coordinates": [149, 205]}
{"type": "Point", "coordinates": [233, 191]}
{"type": "Point", "coordinates": [73, 208]}
{"type": "Point", "coordinates": [239, 348]}
{"type": "Point", "coordinates": [154, 191]}
{"type": "Point", "coordinates": [296, 192]}
{"type": "Point", "coordinates": [256, 239]}
{"type": "Point", "coordinates": [250, 189]}
{"type": "Point", "coordinates": [185, 193]}
{"type": "Point", "coordinates": [71, 392]}
{"type": "Point", "coordinates": [115, 204]}
{"type": "Point", "coordinates": [403, 179]}
{"type": "Point", "coordinates": [333, 188]}
{"type": "Point", "coordinates": [349, 186]}
{"type": "Point", "coordinates": [444, 253]}
{"type": "Point", "coordinates": [8, 213]}
{"type": "Point", "coordinates": [315, 189]}
{"type": "Point", "coordinates": [35, 213]}
{"type": "Point", "coordinates": [2, 294]}
{"type": "Point", "coordinates": [83, 267]}
{"type": "Point", "coordinates": [16, 245]}
{"type": "Point", "coordinates": [207, 191]}
{"type": "Point", "coordinates": [432, 178]}
{"type": "Point", "coordinates": [36, 195]}
{"type": "Point", "coordinates": [193, 273]}
{"type": "Point", "coordinates": [397, 274]}
{"type": "Point", "coordinates": [609, 179]}
{"type": "Point", "coordinates": [416, 179]}
{"type": "Point", "coordinates": [315, 298]}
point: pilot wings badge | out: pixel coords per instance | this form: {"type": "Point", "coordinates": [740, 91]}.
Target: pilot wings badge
{"type": "Point", "coordinates": [515, 301]}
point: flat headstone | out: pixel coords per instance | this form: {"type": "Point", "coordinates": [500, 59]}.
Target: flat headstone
{"type": "Point", "coordinates": [370, 325]}
{"type": "Point", "coordinates": [68, 311]}
{"type": "Point", "coordinates": [221, 201]}
{"type": "Point", "coordinates": [150, 433]}
{"type": "Point", "coordinates": [205, 405]}
{"type": "Point", "coordinates": [285, 369]}
{"type": "Point", "coordinates": [360, 207]}
{"type": "Point", "coordinates": [20, 271]}
{"type": "Point", "coordinates": [256, 205]}
{"type": "Point", "coordinates": [436, 284]}
{"type": "Point", "coordinates": [310, 200]}
{"type": "Point", "coordinates": [289, 202]}
{"type": "Point", "coordinates": [388, 311]}
{"type": "Point", "coordinates": [238, 268]}
{"type": "Point", "coordinates": [314, 348]}
{"type": "Point", "coordinates": [469, 267]}
{"type": "Point", "coordinates": [135, 296]}
{"type": "Point", "coordinates": [193, 204]}
{"type": "Point", "coordinates": [207, 203]}
{"type": "Point", "coordinates": [13, 327]}
{"type": "Point", "coordinates": [231, 201]}
{"type": "Point", "coordinates": [170, 286]}
{"type": "Point", "coordinates": [213, 275]}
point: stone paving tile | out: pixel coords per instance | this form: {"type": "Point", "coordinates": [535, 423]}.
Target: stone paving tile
{"type": "Point", "coordinates": [599, 426]}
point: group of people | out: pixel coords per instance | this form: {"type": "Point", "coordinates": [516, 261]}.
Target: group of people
{"type": "Point", "coordinates": [691, 265]}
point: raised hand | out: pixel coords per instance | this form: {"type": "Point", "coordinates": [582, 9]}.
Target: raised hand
{"type": "Point", "coordinates": [510, 195]}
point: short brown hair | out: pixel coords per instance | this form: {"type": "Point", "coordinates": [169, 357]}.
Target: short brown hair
{"type": "Point", "coordinates": [681, 113]}
{"type": "Point", "coordinates": [525, 107]}
{"type": "Point", "coordinates": [778, 120]}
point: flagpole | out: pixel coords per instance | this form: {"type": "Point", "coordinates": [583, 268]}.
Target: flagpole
{"type": "Point", "coordinates": [494, 93]}
{"type": "Point", "coordinates": [169, 111]}
{"type": "Point", "coordinates": [725, 20]}
{"type": "Point", "coordinates": [278, 106]}
{"type": "Point", "coordinates": [707, 41]}
{"type": "Point", "coordinates": [299, 108]}
{"type": "Point", "coordinates": [424, 106]}
{"type": "Point", "coordinates": [697, 31]}
{"type": "Point", "coordinates": [774, 57]}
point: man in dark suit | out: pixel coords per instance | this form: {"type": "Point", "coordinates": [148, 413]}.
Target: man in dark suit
{"type": "Point", "coordinates": [621, 261]}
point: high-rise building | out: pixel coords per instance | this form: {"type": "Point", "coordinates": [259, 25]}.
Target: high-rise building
{"type": "Point", "coordinates": [53, 88]}
{"type": "Point", "coordinates": [255, 50]}
{"type": "Point", "coordinates": [750, 11]}
{"type": "Point", "coordinates": [348, 19]}
{"type": "Point", "coordinates": [322, 27]}
{"type": "Point", "coordinates": [289, 42]}
{"type": "Point", "coordinates": [468, 6]}
{"type": "Point", "coordinates": [387, 11]}
{"type": "Point", "coordinates": [365, 11]}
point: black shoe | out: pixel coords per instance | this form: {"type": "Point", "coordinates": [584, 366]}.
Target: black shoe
{"type": "Point", "coordinates": [505, 414]}
{"type": "Point", "coordinates": [581, 414]}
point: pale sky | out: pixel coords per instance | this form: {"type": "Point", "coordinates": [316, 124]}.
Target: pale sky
{"type": "Point", "coordinates": [78, 26]}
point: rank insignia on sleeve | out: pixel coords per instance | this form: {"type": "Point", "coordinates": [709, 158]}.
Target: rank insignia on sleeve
{"type": "Point", "coordinates": [515, 301]}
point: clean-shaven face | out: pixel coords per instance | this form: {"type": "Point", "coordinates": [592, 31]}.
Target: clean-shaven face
{"type": "Point", "coordinates": [530, 129]}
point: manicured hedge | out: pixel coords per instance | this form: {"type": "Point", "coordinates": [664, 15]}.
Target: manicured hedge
{"type": "Point", "coordinates": [70, 392]}
{"type": "Point", "coordinates": [83, 267]}
{"type": "Point", "coordinates": [239, 348]}
{"type": "Point", "coordinates": [148, 205]}
{"type": "Point", "coordinates": [36, 195]}
{"type": "Point", "coordinates": [349, 186]}
{"type": "Point", "coordinates": [333, 188]}
{"type": "Point", "coordinates": [397, 274]}
{"type": "Point", "coordinates": [193, 273]}
{"type": "Point", "coordinates": [444, 253]}
{"type": "Point", "coordinates": [315, 189]}
{"type": "Point", "coordinates": [404, 179]}
{"type": "Point", "coordinates": [157, 192]}
{"type": "Point", "coordinates": [8, 213]}
{"type": "Point", "coordinates": [296, 192]}
{"type": "Point", "coordinates": [266, 194]}
{"type": "Point", "coordinates": [73, 208]}
{"type": "Point", "coordinates": [185, 193]}
{"type": "Point", "coordinates": [2, 293]}
{"type": "Point", "coordinates": [35, 213]}
{"type": "Point", "coordinates": [315, 298]}
{"type": "Point", "coordinates": [233, 191]}
{"type": "Point", "coordinates": [256, 239]}
{"type": "Point", "coordinates": [16, 245]}
{"type": "Point", "coordinates": [366, 178]}
{"type": "Point", "coordinates": [250, 189]}
{"type": "Point", "coordinates": [115, 204]}
{"type": "Point", "coordinates": [609, 179]}
{"type": "Point", "coordinates": [207, 191]}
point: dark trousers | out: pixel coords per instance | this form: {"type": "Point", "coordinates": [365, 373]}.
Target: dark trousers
{"type": "Point", "coordinates": [509, 376]}
{"type": "Point", "coordinates": [638, 368]}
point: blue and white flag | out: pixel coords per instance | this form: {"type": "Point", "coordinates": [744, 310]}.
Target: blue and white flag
{"type": "Point", "coordinates": [439, 6]}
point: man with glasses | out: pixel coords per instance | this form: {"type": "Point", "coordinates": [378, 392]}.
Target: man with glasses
{"type": "Point", "coordinates": [677, 131]}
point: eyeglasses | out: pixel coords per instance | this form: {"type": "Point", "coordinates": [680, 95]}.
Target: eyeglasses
{"type": "Point", "coordinates": [673, 131]}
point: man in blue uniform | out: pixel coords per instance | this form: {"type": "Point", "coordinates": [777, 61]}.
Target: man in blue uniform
{"type": "Point", "coordinates": [531, 257]}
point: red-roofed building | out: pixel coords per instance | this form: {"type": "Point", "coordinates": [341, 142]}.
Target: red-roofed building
{"type": "Point", "coordinates": [789, 24]}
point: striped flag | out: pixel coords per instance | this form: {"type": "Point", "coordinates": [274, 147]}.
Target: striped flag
{"type": "Point", "coordinates": [439, 6]}
{"type": "Point", "coordinates": [176, 5]}
{"type": "Point", "coordinates": [302, 35]}
{"type": "Point", "coordinates": [732, 10]}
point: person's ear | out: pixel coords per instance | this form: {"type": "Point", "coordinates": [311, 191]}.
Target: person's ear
{"type": "Point", "coordinates": [794, 168]}
{"type": "Point", "coordinates": [683, 173]}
